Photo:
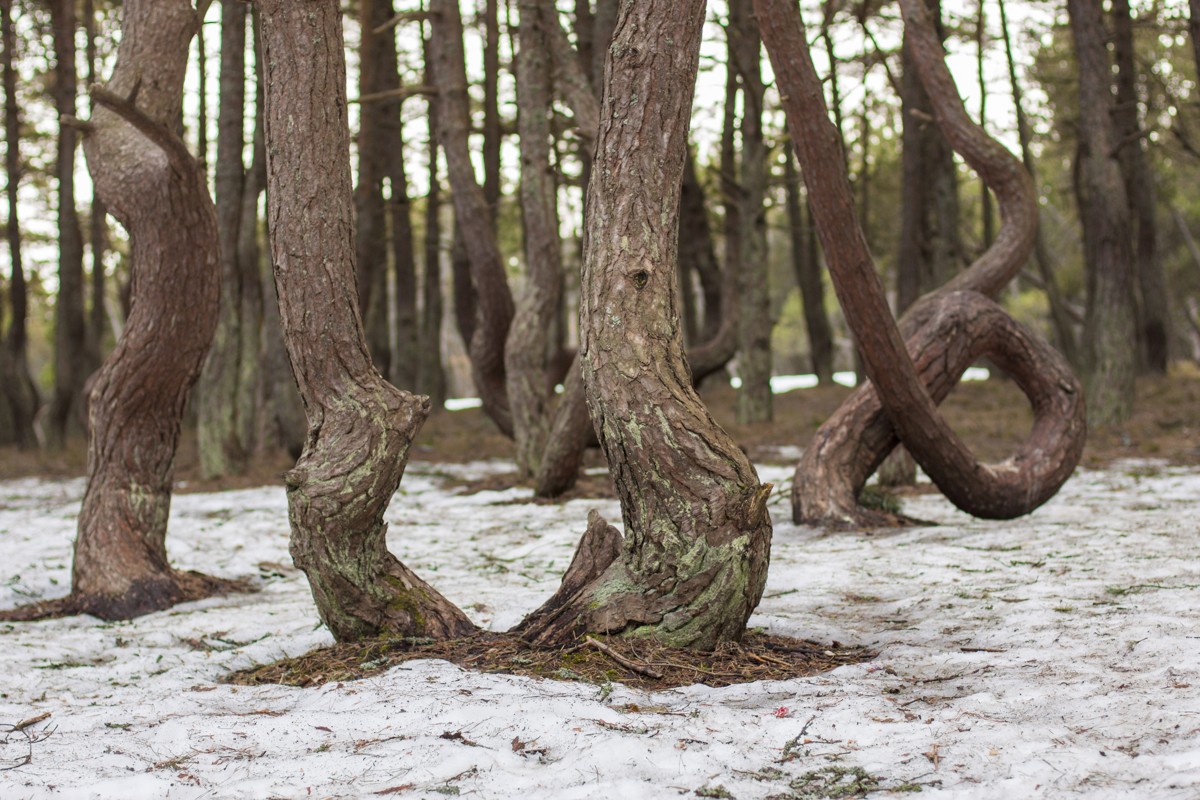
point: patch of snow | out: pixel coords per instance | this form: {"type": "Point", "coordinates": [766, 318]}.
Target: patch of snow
{"type": "Point", "coordinates": [1051, 656]}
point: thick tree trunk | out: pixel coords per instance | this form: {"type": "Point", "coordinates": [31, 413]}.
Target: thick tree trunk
{"type": "Point", "coordinates": [19, 395]}
{"type": "Point", "coordinates": [67, 406]}
{"type": "Point", "coordinates": [808, 277]}
{"type": "Point", "coordinates": [495, 303]}
{"type": "Point", "coordinates": [754, 317]}
{"type": "Point", "coordinates": [527, 348]}
{"type": "Point", "coordinates": [697, 532]}
{"type": "Point", "coordinates": [218, 428]}
{"type": "Point", "coordinates": [360, 427]}
{"type": "Point", "coordinates": [1109, 331]}
{"type": "Point", "coordinates": [1064, 330]}
{"type": "Point", "coordinates": [856, 439]}
{"type": "Point", "coordinates": [1154, 333]}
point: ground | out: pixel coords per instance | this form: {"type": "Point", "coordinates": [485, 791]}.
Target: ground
{"type": "Point", "coordinates": [1045, 657]}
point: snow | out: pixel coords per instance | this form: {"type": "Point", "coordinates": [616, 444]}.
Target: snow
{"type": "Point", "coordinates": [1053, 656]}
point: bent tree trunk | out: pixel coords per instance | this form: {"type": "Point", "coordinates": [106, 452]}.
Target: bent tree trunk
{"type": "Point", "coordinates": [156, 189]}
{"type": "Point", "coordinates": [697, 533]}
{"type": "Point", "coordinates": [359, 426]}
{"type": "Point", "coordinates": [857, 438]}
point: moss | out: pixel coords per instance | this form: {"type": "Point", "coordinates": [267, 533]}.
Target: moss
{"type": "Point", "coordinates": [879, 500]}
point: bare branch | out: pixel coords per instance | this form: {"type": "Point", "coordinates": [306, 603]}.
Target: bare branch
{"type": "Point", "coordinates": [171, 145]}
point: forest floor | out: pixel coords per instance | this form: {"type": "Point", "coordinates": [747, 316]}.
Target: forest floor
{"type": "Point", "coordinates": [1050, 656]}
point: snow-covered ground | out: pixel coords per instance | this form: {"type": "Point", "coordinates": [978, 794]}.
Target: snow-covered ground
{"type": "Point", "coordinates": [1053, 656]}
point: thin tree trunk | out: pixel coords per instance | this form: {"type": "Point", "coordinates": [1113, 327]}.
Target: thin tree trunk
{"type": "Point", "coordinates": [527, 349]}
{"type": "Point", "coordinates": [1064, 330]}
{"type": "Point", "coordinates": [406, 356]}
{"type": "Point", "coordinates": [491, 110]}
{"type": "Point", "coordinates": [222, 450]}
{"type": "Point", "coordinates": [98, 320]}
{"type": "Point", "coordinates": [1109, 330]}
{"type": "Point", "coordinates": [67, 407]}
{"type": "Point", "coordinates": [156, 189]}
{"type": "Point", "coordinates": [251, 399]}
{"type": "Point", "coordinates": [985, 194]}
{"type": "Point", "coordinates": [360, 427]}
{"type": "Point", "coordinates": [697, 532]}
{"type": "Point", "coordinates": [754, 400]}
{"type": "Point", "coordinates": [855, 440]}
{"type": "Point", "coordinates": [431, 375]}
{"type": "Point", "coordinates": [20, 394]}
{"type": "Point", "coordinates": [495, 303]}
{"type": "Point", "coordinates": [808, 277]}
{"type": "Point", "coordinates": [697, 256]}
{"type": "Point", "coordinates": [1154, 332]}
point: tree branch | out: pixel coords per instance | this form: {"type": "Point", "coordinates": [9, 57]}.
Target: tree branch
{"type": "Point", "coordinates": [171, 145]}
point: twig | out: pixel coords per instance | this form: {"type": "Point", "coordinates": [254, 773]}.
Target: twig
{"type": "Point", "coordinates": [403, 16]}
{"type": "Point", "coordinates": [982, 650]}
{"type": "Point", "coordinates": [955, 676]}
{"type": "Point", "coordinates": [402, 93]}
{"type": "Point", "coordinates": [20, 726]}
{"type": "Point", "coordinates": [622, 660]}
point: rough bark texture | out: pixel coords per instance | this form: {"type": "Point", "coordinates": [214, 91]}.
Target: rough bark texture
{"type": "Point", "coordinates": [156, 189]}
{"type": "Point", "coordinates": [697, 532]}
{"type": "Point", "coordinates": [527, 347]}
{"type": "Point", "coordinates": [754, 318]}
{"type": "Point", "coordinates": [858, 437]}
{"type": "Point", "coordinates": [808, 277]}
{"type": "Point", "coordinates": [67, 405]}
{"type": "Point", "coordinates": [222, 449]}
{"type": "Point", "coordinates": [20, 399]}
{"type": "Point", "coordinates": [1109, 331]}
{"type": "Point", "coordinates": [360, 427]}
{"type": "Point", "coordinates": [1154, 315]}
{"type": "Point", "coordinates": [495, 303]}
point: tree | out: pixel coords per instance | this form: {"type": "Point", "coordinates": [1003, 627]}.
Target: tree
{"type": "Point", "coordinates": [67, 412]}
{"type": "Point", "coordinates": [360, 427]}
{"type": "Point", "coordinates": [946, 331]}
{"type": "Point", "coordinates": [697, 532]}
{"type": "Point", "coordinates": [19, 399]}
{"type": "Point", "coordinates": [156, 189]}
{"type": "Point", "coordinates": [1109, 331]}
{"type": "Point", "coordinates": [431, 376]}
{"type": "Point", "coordinates": [808, 276]}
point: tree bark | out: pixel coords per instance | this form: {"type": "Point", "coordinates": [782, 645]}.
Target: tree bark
{"type": "Point", "coordinates": [67, 411]}
{"type": "Point", "coordinates": [495, 303]}
{"type": "Point", "coordinates": [98, 319]}
{"type": "Point", "coordinates": [360, 427]}
{"type": "Point", "coordinates": [431, 376]}
{"type": "Point", "coordinates": [857, 438]}
{"type": "Point", "coordinates": [808, 277]}
{"type": "Point", "coordinates": [491, 109]}
{"type": "Point", "coordinates": [754, 400]}
{"type": "Point", "coordinates": [218, 428]}
{"type": "Point", "coordinates": [1154, 316]}
{"type": "Point", "coordinates": [1109, 330]}
{"type": "Point", "coordinates": [697, 532]}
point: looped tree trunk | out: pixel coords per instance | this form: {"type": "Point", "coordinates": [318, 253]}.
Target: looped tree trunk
{"type": "Point", "coordinates": [860, 435]}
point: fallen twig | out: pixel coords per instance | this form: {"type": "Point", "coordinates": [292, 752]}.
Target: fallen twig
{"type": "Point", "coordinates": [641, 669]}
{"type": "Point", "coordinates": [20, 726]}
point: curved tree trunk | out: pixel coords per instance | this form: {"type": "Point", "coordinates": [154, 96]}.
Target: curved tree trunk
{"type": "Point", "coordinates": [360, 427]}
{"type": "Point", "coordinates": [697, 532]}
{"type": "Point", "coordinates": [1009, 489]}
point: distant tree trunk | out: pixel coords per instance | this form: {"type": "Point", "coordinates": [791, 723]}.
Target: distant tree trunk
{"type": "Point", "coordinates": [1109, 324]}
{"type": "Point", "coordinates": [527, 348]}
{"type": "Point", "coordinates": [697, 532]}
{"type": "Point", "coordinates": [1154, 332]}
{"type": "Point", "coordinates": [808, 278]}
{"type": "Point", "coordinates": [67, 406]}
{"type": "Point", "coordinates": [1064, 330]}
{"type": "Point", "coordinates": [98, 319]}
{"type": "Point", "coordinates": [754, 319]}
{"type": "Point", "coordinates": [20, 395]}
{"type": "Point", "coordinates": [495, 303]}
{"type": "Point", "coordinates": [431, 376]}
{"type": "Point", "coordinates": [377, 135]}
{"type": "Point", "coordinates": [1194, 29]}
{"type": "Point", "coordinates": [406, 357]}
{"type": "Point", "coordinates": [156, 189]}
{"type": "Point", "coordinates": [697, 256]}
{"type": "Point", "coordinates": [605, 21]}
{"type": "Point", "coordinates": [360, 427]}
{"type": "Point", "coordinates": [491, 109]}
{"type": "Point", "coordinates": [852, 443]}
{"type": "Point", "coordinates": [218, 428]}
{"type": "Point", "coordinates": [985, 195]}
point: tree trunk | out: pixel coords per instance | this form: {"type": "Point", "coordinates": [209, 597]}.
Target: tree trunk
{"type": "Point", "coordinates": [406, 355]}
{"type": "Point", "coordinates": [697, 256]}
{"type": "Point", "coordinates": [218, 428]}
{"type": "Point", "coordinates": [360, 427]}
{"type": "Point", "coordinates": [431, 376]}
{"type": "Point", "coordinates": [20, 394]}
{"type": "Point", "coordinates": [1154, 332]}
{"type": "Point", "coordinates": [98, 319]}
{"type": "Point", "coordinates": [495, 303]}
{"type": "Point", "coordinates": [808, 278]}
{"type": "Point", "coordinates": [1064, 330]}
{"type": "Point", "coordinates": [1109, 330]}
{"type": "Point", "coordinates": [527, 349]}
{"type": "Point", "coordinates": [697, 532]}
{"type": "Point", "coordinates": [754, 317]}
{"type": "Point", "coordinates": [67, 406]}
{"type": "Point", "coordinates": [856, 439]}
{"type": "Point", "coordinates": [988, 225]}
{"type": "Point", "coordinates": [491, 109]}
